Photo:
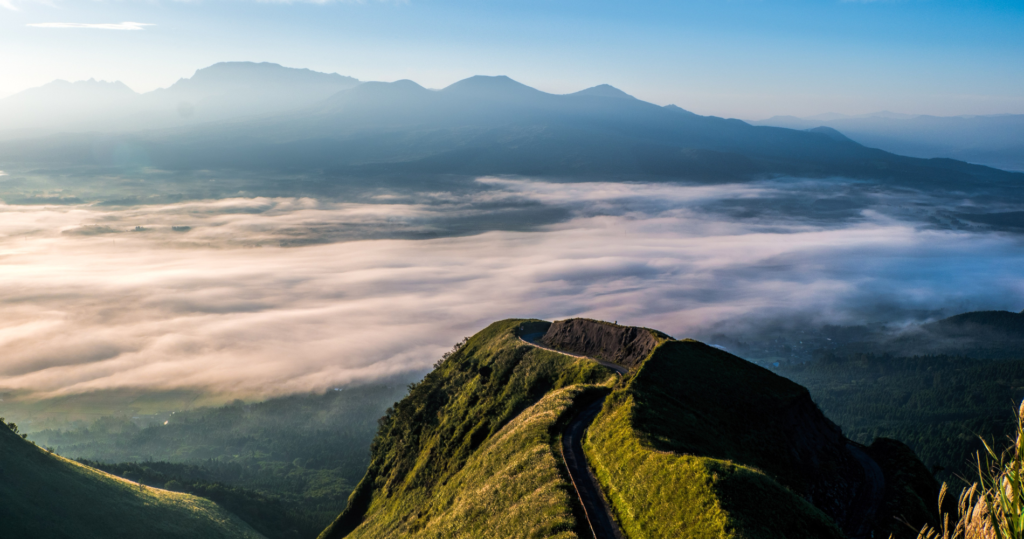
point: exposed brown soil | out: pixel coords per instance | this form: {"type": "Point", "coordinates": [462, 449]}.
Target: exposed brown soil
{"type": "Point", "coordinates": [622, 345]}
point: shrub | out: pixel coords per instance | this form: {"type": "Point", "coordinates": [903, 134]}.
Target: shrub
{"type": "Point", "coordinates": [992, 507]}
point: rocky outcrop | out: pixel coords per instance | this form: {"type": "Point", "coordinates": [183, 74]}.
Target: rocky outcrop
{"type": "Point", "coordinates": [622, 345]}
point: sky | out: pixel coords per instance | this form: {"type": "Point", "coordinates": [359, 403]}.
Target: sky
{"type": "Point", "coordinates": [90, 303]}
{"type": "Point", "coordinates": [749, 59]}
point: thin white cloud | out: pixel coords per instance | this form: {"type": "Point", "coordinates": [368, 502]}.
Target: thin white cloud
{"type": "Point", "coordinates": [101, 26]}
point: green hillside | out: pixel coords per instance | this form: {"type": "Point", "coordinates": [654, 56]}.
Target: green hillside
{"type": "Point", "coordinates": [46, 496]}
{"type": "Point", "coordinates": [460, 426]}
{"type": "Point", "coordinates": [691, 442]}
{"type": "Point", "coordinates": [700, 443]}
{"type": "Point", "coordinates": [284, 465]}
{"type": "Point", "coordinates": [512, 486]}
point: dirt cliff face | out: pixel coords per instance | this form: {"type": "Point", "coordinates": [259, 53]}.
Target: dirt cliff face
{"type": "Point", "coordinates": [623, 345]}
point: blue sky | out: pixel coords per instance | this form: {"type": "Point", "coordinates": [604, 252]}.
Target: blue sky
{"type": "Point", "coordinates": [740, 58]}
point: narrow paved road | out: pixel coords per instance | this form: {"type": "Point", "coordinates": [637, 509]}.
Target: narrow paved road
{"type": "Point", "coordinates": [587, 489]}
{"type": "Point", "coordinates": [599, 516]}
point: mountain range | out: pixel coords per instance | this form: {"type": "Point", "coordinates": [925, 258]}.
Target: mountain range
{"type": "Point", "coordinates": [260, 117]}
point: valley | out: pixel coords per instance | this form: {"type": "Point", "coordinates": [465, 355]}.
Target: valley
{"type": "Point", "coordinates": [549, 420]}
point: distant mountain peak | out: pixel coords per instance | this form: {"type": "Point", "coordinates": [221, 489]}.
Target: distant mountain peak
{"type": "Point", "coordinates": [830, 133]}
{"type": "Point", "coordinates": [889, 115]}
{"type": "Point", "coordinates": [825, 117]}
{"type": "Point", "coordinates": [605, 90]}
{"type": "Point", "coordinates": [403, 86]}
{"type": "Point", "coordinates": [83, 89]}
{"type": "Point", "coordinates": [262, 74]}
{"type": "Point", "coordinates": [487, 86]}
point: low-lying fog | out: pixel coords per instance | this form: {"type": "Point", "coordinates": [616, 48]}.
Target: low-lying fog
{"type": "Point", "coordinates": [262, 296]}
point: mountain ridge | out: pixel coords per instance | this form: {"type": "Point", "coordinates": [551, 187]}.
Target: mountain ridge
{"type": "Point", "coordinates": [718, 471]}
{"type": "Point", "coordinates": [995, 140]}
{"type": "Point", "coordinates": [403, 128]}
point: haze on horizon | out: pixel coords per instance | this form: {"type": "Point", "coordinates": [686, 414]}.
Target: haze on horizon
{"type": "Point", "coordinates": [742, 59]}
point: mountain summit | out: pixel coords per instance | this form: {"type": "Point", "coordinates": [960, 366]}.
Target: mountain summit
{"type": "Point", "coordinates": [222, 91]}
{"type": "Point", "coordinates": [500, 87]}
{"type": "Point", "coordinates": [604, 90]}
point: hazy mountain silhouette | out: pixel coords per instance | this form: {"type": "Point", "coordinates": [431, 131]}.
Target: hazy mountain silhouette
{"type": "Point", "coordinates": [221, 91]}
{"type": "Point", "coordinates": [996, 140]}
{"type": "Point", "coordinates": [231, 89]}
{"type": "Point", "coordinates": [67, 106]}
{"type": "Point", "coordinates": [480, 125]}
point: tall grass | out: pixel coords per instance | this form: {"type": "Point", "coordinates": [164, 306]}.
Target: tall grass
{"type": "Point", "coordinates": [993, 506]}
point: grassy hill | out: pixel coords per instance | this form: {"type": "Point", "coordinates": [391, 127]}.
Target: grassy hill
{"type": "Point", "coordinates": [680, 457]}
{"type": "Point", "coordinates": [692, 442]}
{"type": "Point", "coordinates": [46, 496]}
{"type": "Point", "coordinates": [512, 486]}
{"type": "Point", "coordinates": [700, 443]}
{"type": "Point", "coordinates": [284, 465]}
{"type": "Point", "coordinates": [458, 431]}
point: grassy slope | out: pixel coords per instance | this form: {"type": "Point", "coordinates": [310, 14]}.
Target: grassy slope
{"type": "Point", "coordinates": [637, 444]}
{"type": "Point", "coordinates": [513, 486]}
{"type": "Point", "coordinates": [301, 455]}
{"type": "Point", "coordinates": [447, 431]}
{"type": "Point", "coordinates": [43, 495]}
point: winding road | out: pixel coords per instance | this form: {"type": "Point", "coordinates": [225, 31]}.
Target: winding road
{"type": "Point", "coordinates": [595, 507]}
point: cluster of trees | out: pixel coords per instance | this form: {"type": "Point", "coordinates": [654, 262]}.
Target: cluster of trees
{"type": "Point", "coordinates": [12, 426]}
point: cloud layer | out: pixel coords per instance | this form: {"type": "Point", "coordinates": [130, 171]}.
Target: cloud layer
{"type": "Point", "coordinates": [88, 302]}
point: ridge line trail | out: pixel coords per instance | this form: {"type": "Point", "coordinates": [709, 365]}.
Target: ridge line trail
{"type": "Point", "coordinates": [617, 368]}
{"type": "Point", "coordinates": [588, 491]}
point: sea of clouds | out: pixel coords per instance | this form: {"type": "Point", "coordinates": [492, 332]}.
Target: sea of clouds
{"type": "Point", "coordinates": [263, 296]}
